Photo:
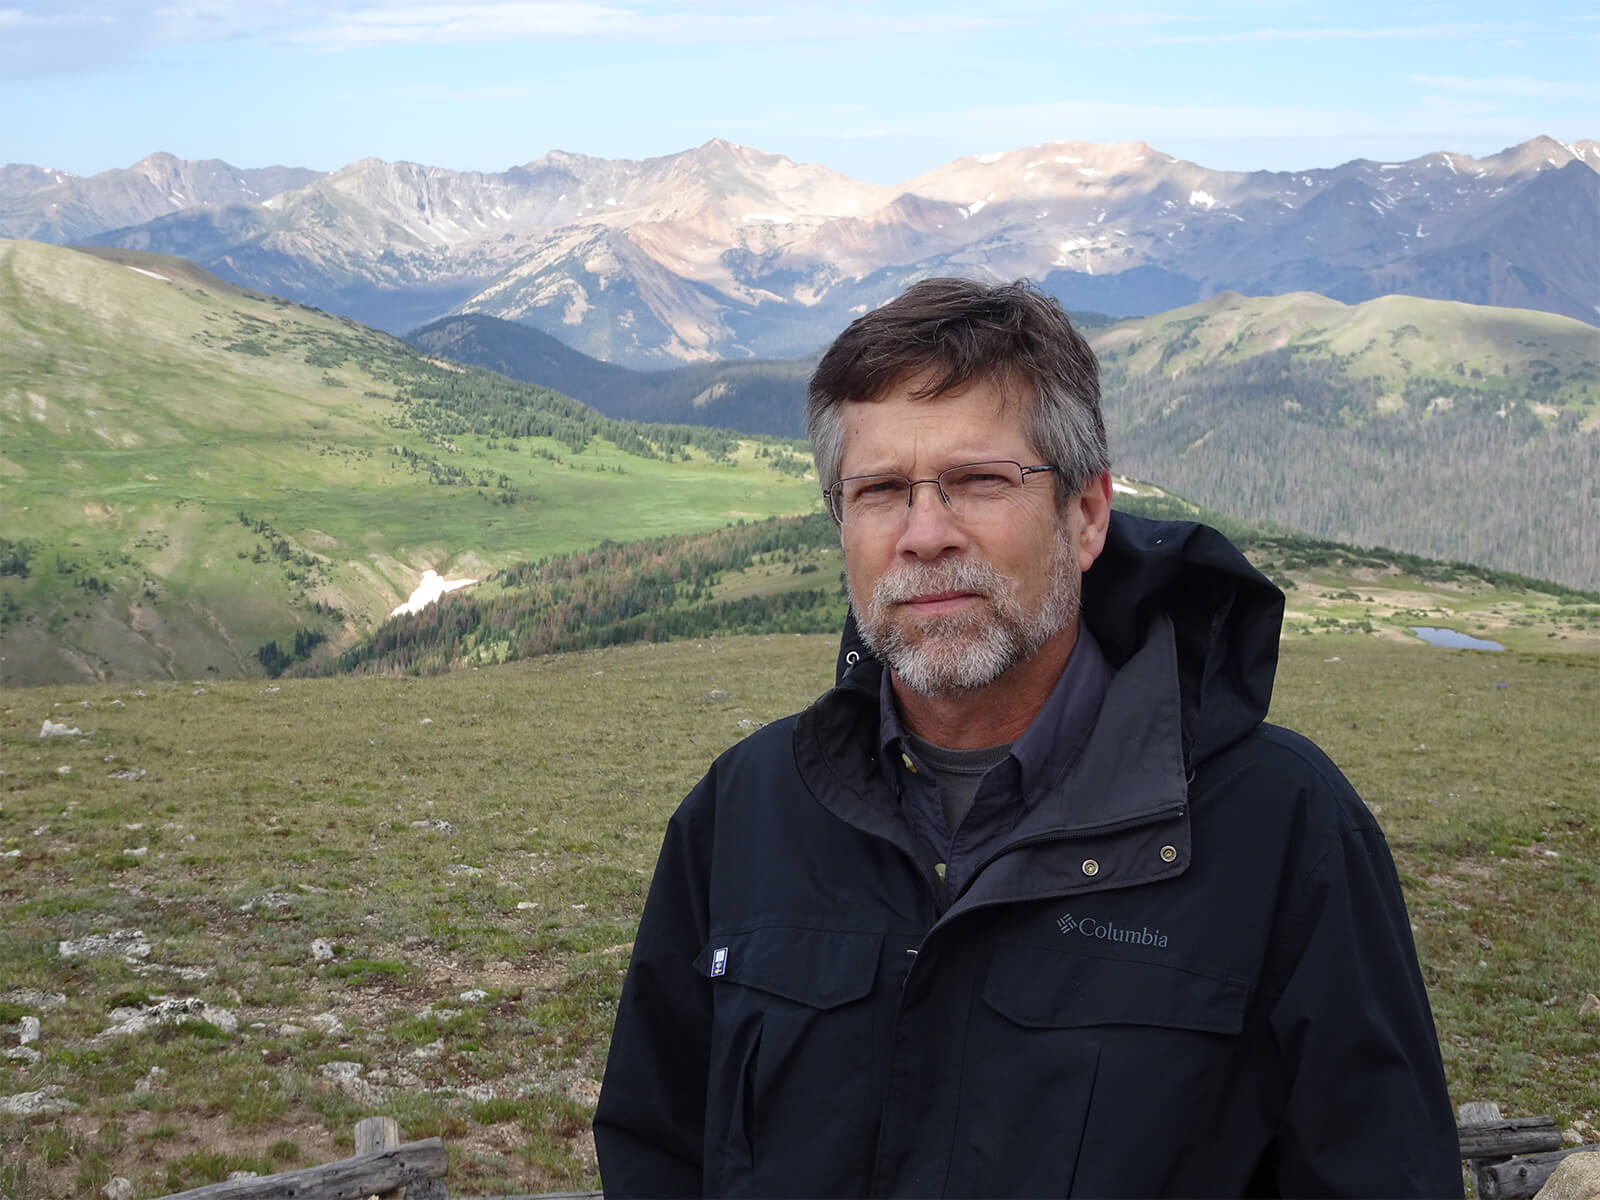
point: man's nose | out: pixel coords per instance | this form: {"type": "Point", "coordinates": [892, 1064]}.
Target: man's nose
{"type": "Point", "coordinates": [931, 529]}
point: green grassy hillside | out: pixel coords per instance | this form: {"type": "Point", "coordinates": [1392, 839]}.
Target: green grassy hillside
{"type": "Point", "coordinates": [1400, 343]}
{"type": "Point", "coordinates": [751, 395]}
{"type": "Point", "coordinates": [785, 575]}
{"type": "Point", "coordinates": [189, 470]}
{"type": "Point", "coordinates": [474, 850]}
{"type": "Point", "coordinates": [1446, 430]}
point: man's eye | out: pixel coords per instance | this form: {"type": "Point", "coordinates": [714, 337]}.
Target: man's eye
{"type": "Point", "coordinates": [978, 479]}
{"type": "Point", "coordinates": [880, 487]}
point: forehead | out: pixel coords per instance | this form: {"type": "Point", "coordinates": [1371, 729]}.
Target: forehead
{"type": "Point", "coordinates": [903, 430]}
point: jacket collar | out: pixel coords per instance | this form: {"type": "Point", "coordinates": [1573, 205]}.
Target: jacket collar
{"type": "Point", "coordinates": [1130, 773]}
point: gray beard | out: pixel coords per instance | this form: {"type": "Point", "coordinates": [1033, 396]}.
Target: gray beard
{"type": "Point", "coordinates": [955, 654]}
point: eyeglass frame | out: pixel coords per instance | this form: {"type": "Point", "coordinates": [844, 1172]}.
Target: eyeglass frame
{"type": "Point", "coordinates": [911, 484]}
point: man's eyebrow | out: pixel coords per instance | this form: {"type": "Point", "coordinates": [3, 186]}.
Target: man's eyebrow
{"type": "Point", "coordinates": [957, 459]}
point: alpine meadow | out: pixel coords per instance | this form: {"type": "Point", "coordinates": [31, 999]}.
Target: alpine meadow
{"type": "Point", "coordinates": [349, 676]}
{"type": "Point", "coordinates": [193, 470]}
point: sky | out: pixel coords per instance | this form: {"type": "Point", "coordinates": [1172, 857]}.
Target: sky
{"type": "Point", "coordinates": [879, 91]}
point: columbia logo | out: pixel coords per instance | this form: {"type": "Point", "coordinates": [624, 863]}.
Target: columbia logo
{"type": "Point", "coordinates": [1110, 931]}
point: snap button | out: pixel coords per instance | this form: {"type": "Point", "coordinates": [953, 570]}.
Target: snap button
{"type": "Point", "coordinates": [852, 658]}
{"type": "Point", "coordinates": [1168, 853]}
{"type": "Point", "coordinates": [938, 869]}
{"type": "Point", "coordinates": [1090, 867]}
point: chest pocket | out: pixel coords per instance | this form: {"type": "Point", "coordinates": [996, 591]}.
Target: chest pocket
{"type": "Point", "coordinates": [1048, 989]}
{"type": "Point", "coordinates": [792, 1040]}
{"type": "Point", "coordinates": [1094, 1046]}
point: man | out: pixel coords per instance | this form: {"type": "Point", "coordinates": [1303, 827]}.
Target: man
{"type": "Point", "coordinates": [1032, 903]}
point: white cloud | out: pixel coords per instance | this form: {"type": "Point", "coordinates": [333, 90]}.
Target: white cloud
{"type": "Point", "coordinates": [1428, 33]}
{"type": "Point", "coordinates": [345, 24]}
{"type": "Point", "coordinates": [444, 93]}
{"type": "Point", "coordinates": [1434, 121]}
{"type": "Point", "coordinates": [1507, 85]}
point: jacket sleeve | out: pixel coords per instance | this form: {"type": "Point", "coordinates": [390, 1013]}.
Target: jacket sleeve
{"type": "Point", "coordinates": [1366, 1111]}
{"type": "Point", "coordinates": [649, 1122]}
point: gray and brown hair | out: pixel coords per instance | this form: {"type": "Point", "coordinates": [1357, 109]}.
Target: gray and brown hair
{"type": "Point", "coordinates": [952, 332]}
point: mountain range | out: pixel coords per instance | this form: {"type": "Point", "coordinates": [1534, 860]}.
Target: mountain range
{"type": "Point", "coordinates": [724, 251]}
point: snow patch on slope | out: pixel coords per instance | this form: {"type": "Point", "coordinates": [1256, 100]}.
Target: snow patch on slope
{"type": "Point", "coordinates": [430, 589]}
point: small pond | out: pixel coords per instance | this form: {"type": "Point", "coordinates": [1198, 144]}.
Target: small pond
{"type": "Point", "coordinates": [1452, 640]}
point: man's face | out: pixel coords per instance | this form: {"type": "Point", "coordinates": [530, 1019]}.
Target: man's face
{"type": "Point", "coordinates": [951, 604]}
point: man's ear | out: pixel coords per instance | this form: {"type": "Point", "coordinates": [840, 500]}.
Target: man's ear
{"type": "Point", "coordinates": [1088, 517]}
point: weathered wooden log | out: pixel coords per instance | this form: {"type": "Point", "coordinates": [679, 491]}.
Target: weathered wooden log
{"type": "Point", "coordinates": [1477, 1112]}
{"type": "Point", "coordinates": [1502, 1139]}
{"type": "Point", "coordinates": [1521, 1178]}
{"type": "Point", "coordinates": [348, 1179]}
{"type": "Point", "coordinates": [376, 1133]}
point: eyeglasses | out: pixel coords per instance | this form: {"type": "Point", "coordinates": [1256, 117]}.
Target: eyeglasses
{"type": "Point", "coordinates": [972, 491]}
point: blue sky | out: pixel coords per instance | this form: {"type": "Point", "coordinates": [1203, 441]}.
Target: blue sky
{"type": "Point", "coordinates": [879, 91]}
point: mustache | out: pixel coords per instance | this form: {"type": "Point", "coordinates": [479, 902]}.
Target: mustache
{"type": "Point", "coordinates": [911, 580]}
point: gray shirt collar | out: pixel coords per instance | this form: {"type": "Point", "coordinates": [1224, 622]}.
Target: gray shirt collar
{"type": "Point", "coordinates": [1053, 740]}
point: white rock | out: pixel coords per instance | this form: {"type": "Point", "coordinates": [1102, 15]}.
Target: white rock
{"type": "Point", "coordinates": [34, 998]}
{"type": "Point", "coordinates": [346, 1076]}
{"type": "Point", "coordinates": [325, 1023]}
{"type": "Point", "coordinates": [525, 905]}
{"type": "Point", "coordinates": [432, 1050]}
{"type": "Point", "coordinates": [117, 1188]}
{"type": "Point", "coordinates": [63, 770]}
{"type": "Point", "coordinates": [434, 825]}
{"type": "Point", "coordinates": [462, 869]}
{"type": "Point", "coordinates": [290, 1030]}
{"type": "Point", "coordinates": [1590, 1006]}
{"type": "Point", "coordinates": [268, 900]}
{"type": "Point", "coordinates": [52, 729]}
{"type": "Point", "coordinates": [475, 1091]}
{"type": "Point", "coordinates": [123, 943]}
{"type": "Point", "coordinates": [474, 995]}
{"type": "Point", "coordinates": [232, 1175]}
{"type": "Point", "coordinates": [1576, 1178]}
{"type": "Point", "coordinates": [27, 1104]}
{"type": "Point", "coordinates": [25, 1054]}
{"type": "Point", "coordinates": [28, 1030]}
{"type": "Point", "coordinates": [172, 1011]}
{"type": "Point", "coordinates": [148, 1084]}
{"type": "Point", "coordinates": [322, 950]}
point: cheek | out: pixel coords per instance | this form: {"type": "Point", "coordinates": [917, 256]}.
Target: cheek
{"type": "Point", "coordinates": [863, 560]}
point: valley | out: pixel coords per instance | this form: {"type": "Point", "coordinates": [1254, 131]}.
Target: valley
{"type": "Point", "coordinates": [191, 470]}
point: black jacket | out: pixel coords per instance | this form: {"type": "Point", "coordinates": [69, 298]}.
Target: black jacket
{"type": "Point", "coordinates": [1189, 971]}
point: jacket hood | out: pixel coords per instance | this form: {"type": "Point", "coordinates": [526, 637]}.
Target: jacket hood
{"type": "Point", "coordinates": [1226, 617]}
